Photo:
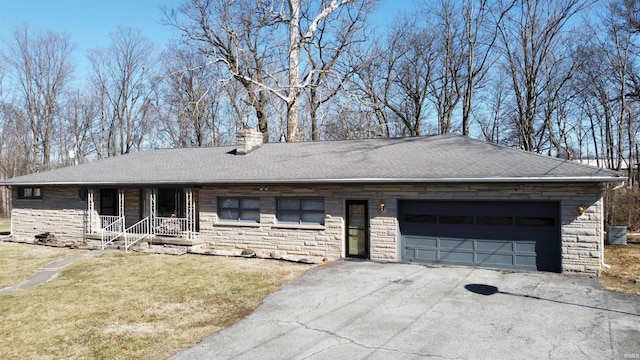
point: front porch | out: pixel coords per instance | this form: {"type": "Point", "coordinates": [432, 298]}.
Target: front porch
{"type": "Point", "coordinates": [133, 215]}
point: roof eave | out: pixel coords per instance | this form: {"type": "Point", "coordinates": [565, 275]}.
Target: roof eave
{"type": "Point", "coordinates": [535, 179]}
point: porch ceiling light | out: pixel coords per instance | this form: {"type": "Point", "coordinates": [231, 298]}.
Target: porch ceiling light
{"type": "Point", "coordinates": [382, 206]}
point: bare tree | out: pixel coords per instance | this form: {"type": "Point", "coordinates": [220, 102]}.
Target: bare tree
{"type": "Point", "coordinates": [241, 38]}
{"type": "Point", "coordinates": [42, 68]}
{"type": "Point", "coordinates": [78, 119]}
{"type": "Point", "coordinates": [492, 121]}
{"type": "Point", "coordinates": [328, 53]}
{"type": "Point", "coordinates": [367, 86]}
{"type": "Point", "coordinates": [528, 35]}
{"type": "Point", "coordinates": [478, 40]}
{"type": "Point", "coordinates": [605, 77]}
{"type": "Point", "coordinates": [246, 40]}
{"type": "Point", "coordinates": [125, 78]}
{"type": "Point", "coordinates": [408, 73]}
{"type": "Point", "coordinates": [192, 96]}
{"type": "Point", "coordinates": [445, 87]}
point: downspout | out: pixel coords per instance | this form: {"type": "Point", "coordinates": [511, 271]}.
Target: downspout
{"type": "Point", "coordinates": [618, 186]}
{"type": "Point", "coordinates": [604, 265]}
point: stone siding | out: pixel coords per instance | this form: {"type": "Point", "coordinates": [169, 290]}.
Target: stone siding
{"type": "Point", "coordinates": [61, 212]}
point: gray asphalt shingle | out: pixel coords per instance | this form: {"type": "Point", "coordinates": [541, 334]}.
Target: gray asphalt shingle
{"type": "Point", "coordinates": [416, 159]}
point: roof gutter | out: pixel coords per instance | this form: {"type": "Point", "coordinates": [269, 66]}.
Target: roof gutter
{"type": "Point", "coordinates": [534, 179]}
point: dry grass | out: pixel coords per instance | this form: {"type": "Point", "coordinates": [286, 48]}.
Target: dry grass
{"type": "Point", "coordinates": [5, 225]}
{"type": "Point", "coordinates": [625, 268]}
{"type": "Point", "coordinates": [19, 261]}
{"type": "Point", "coordinates": [123, 306]}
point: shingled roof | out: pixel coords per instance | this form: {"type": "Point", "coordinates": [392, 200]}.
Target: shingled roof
{"type": "Point", "coordinates": [426, 159]}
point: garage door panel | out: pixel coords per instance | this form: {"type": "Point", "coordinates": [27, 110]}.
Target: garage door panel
{"type": "Point", "coordinates": [459, 244]}
{"type": "Point", "coordinates": [494, 259]}
{"type": "Point", "coordinates": [421, 241]}
{"type": "Point", "coordinates": [409, 253]}
{"type": "Point", "coordinates": [495, 246]}
{"type": "Point", "coordinates": [426, 255]}
{"type": "Point", "coordinates": [457, 257]}
{"type": "Point", "coordinates": [524, 247]}
{"type": "Point", "coordinates": [521, 235]}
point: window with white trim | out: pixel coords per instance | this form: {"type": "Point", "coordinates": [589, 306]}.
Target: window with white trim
{"type": "Point", "coordinates": [29, 192]}
{"type": "Point", "coordinates": [293, 210]}
{"type": "Point", "coordinates": [241, 209]}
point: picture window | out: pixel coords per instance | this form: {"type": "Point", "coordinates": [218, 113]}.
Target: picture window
{"type": "Point", "coordinates": [241, 209]}
{"type": "Point", "coordinates": [301, 210]}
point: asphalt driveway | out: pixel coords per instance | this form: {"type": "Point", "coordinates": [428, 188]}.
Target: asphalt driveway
{"type": "Point", "coordinates": [367, 310]}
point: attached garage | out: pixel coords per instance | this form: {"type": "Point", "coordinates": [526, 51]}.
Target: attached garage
{"type": "Point", "coordinates": [503, 234]}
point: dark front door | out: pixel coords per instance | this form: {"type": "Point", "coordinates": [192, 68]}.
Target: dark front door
{"type": "Point", "coordinates": [357, 229]}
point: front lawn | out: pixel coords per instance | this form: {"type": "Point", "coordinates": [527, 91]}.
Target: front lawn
{"type": "Point", "coordinates": [625, 268]}
{"type": "Point", "coordinates": [19, 261]}
{"type": "Point", "coordinates": [142, 306]}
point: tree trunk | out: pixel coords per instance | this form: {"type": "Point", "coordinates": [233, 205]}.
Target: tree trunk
{"type": "Point", "coordinates": [293, 131]}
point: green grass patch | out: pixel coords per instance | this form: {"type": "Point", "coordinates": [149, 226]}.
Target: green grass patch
{"type": "Point", "coordinates": [123, 306]}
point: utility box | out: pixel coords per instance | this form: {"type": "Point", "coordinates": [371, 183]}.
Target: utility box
{"type": "Point", "coordinates": [617, 235]}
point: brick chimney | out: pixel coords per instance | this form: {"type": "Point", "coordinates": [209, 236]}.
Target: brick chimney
{"type": "Point", "coordinates": [247, 140]}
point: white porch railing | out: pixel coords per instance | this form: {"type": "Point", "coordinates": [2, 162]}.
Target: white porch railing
{"type": "Point", "coordinates": [106, 220]}
{"type": "Point", "coordinates": [110, 231]}
{"type": "Point", "coordinates": [171, 226]}
{"type": "Point", "coordinates": [136, 232]}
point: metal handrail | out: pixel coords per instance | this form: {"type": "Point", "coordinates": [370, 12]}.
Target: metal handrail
{"type": "Point", "coordinates": [136, 232]}
{"type": "Point", "coordinates": [106, 220]}
{"type": "Point", "coordinates": [112, 231]}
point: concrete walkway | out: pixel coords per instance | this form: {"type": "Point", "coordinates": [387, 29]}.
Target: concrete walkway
{"type": "Point", "coordinates": [48, 272]}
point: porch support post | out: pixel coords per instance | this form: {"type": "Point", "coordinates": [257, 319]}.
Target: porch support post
{"type": "Point", "coordinates": [190, 213]}
{"type": "Point", "coordinates": [90, 209]}
{"type": "Point", "coordinates": [121, 208]}
{"type": "Point", "coordinates": [152, 211]}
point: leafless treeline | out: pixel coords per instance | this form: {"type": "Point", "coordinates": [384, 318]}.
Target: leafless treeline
{"type": "Point", "coordinates": [555, 77]}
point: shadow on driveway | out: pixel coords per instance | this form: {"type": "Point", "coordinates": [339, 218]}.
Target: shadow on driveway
{"type": "Point", "coordinates": [486, 290]}
{"type": "Point", "coordinates": [367, 310]}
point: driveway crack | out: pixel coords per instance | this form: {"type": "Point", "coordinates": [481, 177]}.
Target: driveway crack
{"type": "Point", "coordinates": [331, 333]}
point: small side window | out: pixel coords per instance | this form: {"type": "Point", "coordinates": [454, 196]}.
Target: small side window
{"type": "Point", "coordinates": [29, 192]}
